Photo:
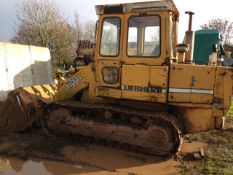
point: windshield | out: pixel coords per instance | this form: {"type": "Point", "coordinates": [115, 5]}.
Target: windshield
{"type": "Point", "coordinates": [144, 36]}
{"type": "Point", "coordinates": [110, 37]}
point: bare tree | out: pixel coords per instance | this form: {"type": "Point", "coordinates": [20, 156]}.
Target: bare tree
{"type": "Point", "coordinates": [88, 31]}
{"type": "Point", "coordinates": [229, 47]}
{"type": "Point", "coordinates": [224, 26]}
{"type": "Point", "coordinates": [85, 31]}
{"type": "Point", "coordinates": [40, 23]}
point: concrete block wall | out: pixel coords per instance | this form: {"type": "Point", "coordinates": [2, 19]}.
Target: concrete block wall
{"type": "Point", "coordinates": [22, 66]}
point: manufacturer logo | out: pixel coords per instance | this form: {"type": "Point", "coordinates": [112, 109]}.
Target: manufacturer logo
{"type": "Point", "coordinates": [144, 89]}
{"type": "Point", "coordinates": [75, 80]}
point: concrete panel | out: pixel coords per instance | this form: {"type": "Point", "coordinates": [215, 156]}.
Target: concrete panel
{"type": "Point", "coordinates": [41, 65]}
{"type": "Point", "coordinates": [22, 66]}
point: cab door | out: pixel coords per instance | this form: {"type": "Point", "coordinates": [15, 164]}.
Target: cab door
{"type": "Point", "coordinates": [143, 76]}
{"type": "Point", "coordinates": [109, 55]}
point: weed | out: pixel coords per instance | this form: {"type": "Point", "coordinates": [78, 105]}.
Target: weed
{"type": "Point", "coordinates": [218, 157]}
{"type": "Point", "coordinates": [230, 112]}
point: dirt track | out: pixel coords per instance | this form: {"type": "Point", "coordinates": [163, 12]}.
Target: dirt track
{"type": "Point", "coordinates": [80, 157]}
{"type": "Point", "coordinates": [92, 158]}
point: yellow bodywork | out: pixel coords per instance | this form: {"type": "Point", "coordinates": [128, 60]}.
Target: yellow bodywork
{"type": "Point", "coordinates": [202, 95]}
{"type": "Point", "coordinates": [199, 96]}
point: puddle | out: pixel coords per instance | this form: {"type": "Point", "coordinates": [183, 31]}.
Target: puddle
{"type": "Point", "coordinates": [99, 161]}
{"type": "Point", "coordinates": [20, 167]}
{"type": "Point", "coordinates": [91, 159]}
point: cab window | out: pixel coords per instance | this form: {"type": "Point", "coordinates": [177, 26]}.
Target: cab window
{"type": "Point", "coordinates": [144, 36]}
{"type": "Point", "coordinates": [110, 37]}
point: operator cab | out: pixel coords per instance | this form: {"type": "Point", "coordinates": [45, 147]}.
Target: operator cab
{"type": "Point", "coordinates": [135, 41]}
{"type": "Point", "coordinates": [143, 36]}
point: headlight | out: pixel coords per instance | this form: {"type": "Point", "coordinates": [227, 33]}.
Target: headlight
{"type": "Point", "coordinates": [110, 75]}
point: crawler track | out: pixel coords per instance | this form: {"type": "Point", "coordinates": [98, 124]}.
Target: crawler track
{"type": "Point", "coordinates": [156, 133]}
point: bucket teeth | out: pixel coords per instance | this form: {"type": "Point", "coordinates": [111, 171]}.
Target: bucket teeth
{"type": "Point", "coordinates": [18, 111]}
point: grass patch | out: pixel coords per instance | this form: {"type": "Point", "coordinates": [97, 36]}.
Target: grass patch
{"type": "Point", "coordinates": [230, 112]}
{"type": "Point", "coordinates": [219, 155]}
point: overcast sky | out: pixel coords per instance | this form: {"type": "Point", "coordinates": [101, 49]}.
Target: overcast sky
{"type": "Point", "coordinates": [204, 11]}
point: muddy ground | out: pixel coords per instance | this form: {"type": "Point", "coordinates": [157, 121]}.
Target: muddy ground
{"type": "Point", "coordinates": [92, 158]}
{"type": "Point", "coordinates": [33, 152]}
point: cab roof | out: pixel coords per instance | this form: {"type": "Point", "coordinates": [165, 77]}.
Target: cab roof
{"type": "Point", "coordinates": [165, 5]}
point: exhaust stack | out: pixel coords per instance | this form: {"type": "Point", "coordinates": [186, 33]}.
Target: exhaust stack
{"type": "Point", "coordinates": [189, 39]}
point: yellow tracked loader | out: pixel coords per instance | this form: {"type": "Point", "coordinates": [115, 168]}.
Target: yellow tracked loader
{"type": "Point", "coordinates": [137, 87]}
